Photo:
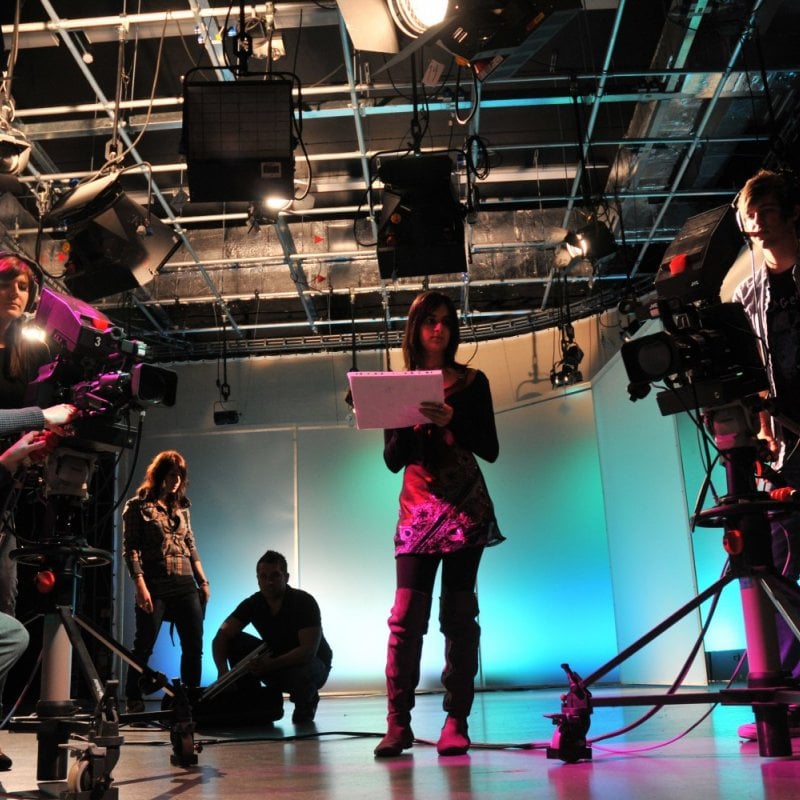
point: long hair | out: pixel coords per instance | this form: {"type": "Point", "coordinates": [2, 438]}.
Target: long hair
{"type": "Point", "coordinates": [423, 306]}
{"type": "Point", "coordinates": [24, 356]}
{"type": "Point", "coordinates": [157, 472]}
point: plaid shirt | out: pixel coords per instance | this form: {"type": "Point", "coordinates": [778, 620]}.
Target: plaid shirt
{"type": "Point", "coordinates": [156, 544]}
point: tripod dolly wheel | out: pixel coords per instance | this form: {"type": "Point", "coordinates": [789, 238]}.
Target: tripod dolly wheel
{"type": "Point", "coordinates": [79, 778]}
{"type": "Point", "coordinates": [184, 753]}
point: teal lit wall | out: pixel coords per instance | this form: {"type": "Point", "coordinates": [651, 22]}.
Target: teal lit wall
{"type": "Point", "coordinates": [726, 631]}
{"type": "Point", "coordinates": [588, 491]}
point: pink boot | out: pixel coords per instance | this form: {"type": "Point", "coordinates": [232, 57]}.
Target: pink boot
{"type": "Point", "coordinates": [453, 740]}
{"type": "Point", "coordinates": [408, 623]}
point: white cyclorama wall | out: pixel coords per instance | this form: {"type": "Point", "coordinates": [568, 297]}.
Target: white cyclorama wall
{"type": "Point", "coordinates": [294, 476]}
{"type": "Point", "coordinates": [649, 542]}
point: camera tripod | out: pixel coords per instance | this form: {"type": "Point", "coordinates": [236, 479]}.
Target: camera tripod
{"type": "Point", "coordinates": [743, 513]}
{"type": "Point", "coordinates": [62, 555]}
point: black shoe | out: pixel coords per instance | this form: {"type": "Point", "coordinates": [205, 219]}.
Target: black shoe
{"type": "Point", "coordinates": [305, 712]}
{"type": "Point", "coordinates": [5, 762]}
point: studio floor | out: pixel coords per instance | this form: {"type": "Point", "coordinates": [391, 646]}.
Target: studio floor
{"type": "Point", "coordinates": [333, 758]}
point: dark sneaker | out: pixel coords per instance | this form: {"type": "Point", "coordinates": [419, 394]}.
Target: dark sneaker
{"type": "Point", "coordinates": [305, 712]}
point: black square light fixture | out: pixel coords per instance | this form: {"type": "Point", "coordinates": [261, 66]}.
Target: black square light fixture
{"type": "Point", "coordinates": [421, 229]}
{"type": "Point", "coordinates": [695, 264]}
{"type": "Point", "coordinates": [112, 243]}
{"type": "Point", "coordinates": [238, 140]}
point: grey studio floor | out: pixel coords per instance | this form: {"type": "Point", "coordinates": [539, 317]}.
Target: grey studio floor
{"type": "Point", "coordinates": [333, 758]}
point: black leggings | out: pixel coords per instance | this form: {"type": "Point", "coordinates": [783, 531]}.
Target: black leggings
{"type": "Point", "coordinates": [459, 571]}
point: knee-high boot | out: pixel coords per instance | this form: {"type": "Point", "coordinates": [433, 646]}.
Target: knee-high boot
{"type": "Point", "coordinates": [457, 618]}
{"type": "Point", "coordinates": [408, 623]}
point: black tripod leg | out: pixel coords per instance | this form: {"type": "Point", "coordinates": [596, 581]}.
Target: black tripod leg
{"type": "Point", "coordinates": [157, 679]}
{"type": "Point", "coordinates": [785, 599]}
{"type": "Point", "coordinates": [654, 633]}
{"type": "Point", "coordinates": [572, 724]}
{"type": "Point", "coordinates": [80, 650]}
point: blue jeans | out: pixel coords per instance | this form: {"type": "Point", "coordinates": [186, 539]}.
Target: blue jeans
{"type": "Point", "coordinates": [13, 641]}
{"type": "Point", "coordinates": [186, 612]}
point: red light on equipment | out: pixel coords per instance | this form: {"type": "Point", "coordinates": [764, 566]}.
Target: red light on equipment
{"type": "Point", "coordinates": [45, 581]}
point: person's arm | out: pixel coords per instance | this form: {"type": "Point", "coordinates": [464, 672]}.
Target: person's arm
{"type": "Point", "coordinates": [398, 445]}
{"type": "Point", "coordinates": [202, 581]}
{"type": "Point", "coordinates": [473, 424]}
{"type": "Point", "coordinates": [308, 644]}
{"type": "Point", "coordinates": [220, 645]}
{"type": "Point", "coordinates": [13, 420]}
{"type": "Point", "coordinates": [194, 557]}
{"type": "Point", "coordinates": [132, 535]}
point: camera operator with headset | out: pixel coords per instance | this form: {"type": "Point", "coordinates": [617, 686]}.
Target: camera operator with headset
{"type": "Point", "coordinates": [20, 359]}
{"type": "Point", "coordinates": [13, 635]}
{"type": "Point", "coordinates": [768, 212]}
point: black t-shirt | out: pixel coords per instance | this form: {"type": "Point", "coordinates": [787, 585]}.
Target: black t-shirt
{"type": "Point", "coordinates": [279, 631]}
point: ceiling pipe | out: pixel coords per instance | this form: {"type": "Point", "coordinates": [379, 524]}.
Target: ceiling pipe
{"type": "Point", "coordinates": [704, 121]}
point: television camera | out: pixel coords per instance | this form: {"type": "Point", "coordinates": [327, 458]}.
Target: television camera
{"type": "Point", "coordinates": [708, 357]}
{"type": "Point", "coordinates": [98, 370]}
{"type": "Point", "coordinates": [707, 353]}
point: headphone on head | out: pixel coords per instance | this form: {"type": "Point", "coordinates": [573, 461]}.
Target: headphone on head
{"type": "Point", "coordinates": [35, 270]}
{"type": "Point", "coordinates": [786, 183]}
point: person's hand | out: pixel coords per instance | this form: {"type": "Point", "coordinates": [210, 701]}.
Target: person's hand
{"type": "Point", "coordinates": [205, 590]}
{"type": "Point", "coordinates": [22, 449]}
{"type": "Point", "coordinates": [770, 446]}
{"type": "Point", "coordinates": [439, 414]}
{"type": "Point", "coordinates": [59, 415]}
{"type": "Point", "coordinates": [143, 598]}
{"type": "Point", "coordinates": [50, 440]}
{"type": "Point", "coordinates": [260, 666]}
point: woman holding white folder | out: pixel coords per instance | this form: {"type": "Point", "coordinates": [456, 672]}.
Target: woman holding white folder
{"type": "Point", "coordinates": [446, 517]}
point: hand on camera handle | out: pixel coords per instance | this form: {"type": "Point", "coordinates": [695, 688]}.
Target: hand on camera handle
{"type": "Point", "coordinates": [59, 415]}
{"type": "Point", "coordinates": [24, 448]}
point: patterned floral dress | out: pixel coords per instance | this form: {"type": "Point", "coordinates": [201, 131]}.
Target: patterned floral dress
{"type": "Point", "coordinates": [444, 503]}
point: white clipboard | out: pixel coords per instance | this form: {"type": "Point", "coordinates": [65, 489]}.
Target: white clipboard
{"type": "Point", "coordinates": [391, 399]}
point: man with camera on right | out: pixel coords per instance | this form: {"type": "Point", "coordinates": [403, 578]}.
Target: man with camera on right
{"type": "Point", "coordinates": [768, 212]}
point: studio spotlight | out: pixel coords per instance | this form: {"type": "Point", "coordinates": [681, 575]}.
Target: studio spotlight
{"type": "Point", "coordinates": [112, 244]}
{"type": "Point", "coordinates": [414, 17]}
{"type": "Point", "coordinates": [594, 242]}
{"type": "Point", "coordinates": [566, 372]}
{"type": "Point", "coordinates": [270, 47]}
{"type": "Point", "coordinates": [480, 34]}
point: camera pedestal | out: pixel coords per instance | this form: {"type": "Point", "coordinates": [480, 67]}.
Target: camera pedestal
{"type": "Point", "coordinates": [62, 555]}
{"type": "Point", "coordinates": [743, 514]}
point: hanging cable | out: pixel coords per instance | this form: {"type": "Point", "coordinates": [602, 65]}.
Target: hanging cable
{"type": "Point", "coordinates": [223, 415]}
